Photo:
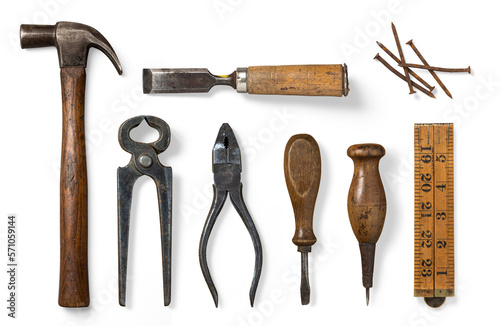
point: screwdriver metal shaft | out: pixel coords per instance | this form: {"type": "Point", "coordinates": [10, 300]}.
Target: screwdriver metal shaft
{"type": "Point", "coordinates": [305, 289]}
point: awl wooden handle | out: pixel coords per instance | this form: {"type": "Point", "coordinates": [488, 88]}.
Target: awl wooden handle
{"type": "Point", "coordinates": [302, 165]}
{"type": "Point", "coordinates": [73, 278]}
{"type": "Point", "coordinates": [366, 203]}
{"type": "Point", "coordinates": [310, 80]}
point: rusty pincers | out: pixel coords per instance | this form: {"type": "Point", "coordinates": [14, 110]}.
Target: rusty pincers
{"type": "Point", "coordinates": [145, 161]}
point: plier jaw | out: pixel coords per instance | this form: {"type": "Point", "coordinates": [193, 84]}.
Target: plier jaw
{"type": "Point", "coordinates": [144, 161]}
{"type": "Point", "coordinates": [226, 149]}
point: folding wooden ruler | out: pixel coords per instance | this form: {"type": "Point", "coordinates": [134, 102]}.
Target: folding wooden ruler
{"type": "Point", "coordinates": [434, 261]}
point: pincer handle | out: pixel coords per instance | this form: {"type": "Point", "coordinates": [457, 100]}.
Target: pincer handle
{"type": "Point", "coordinates": [309, 80]}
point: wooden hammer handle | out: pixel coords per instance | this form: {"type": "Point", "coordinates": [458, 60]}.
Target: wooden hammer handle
{"type": "Point", "coordinates": [302, 166]}
{"type": "Point", "coordinates": [73, 278]}
{"type": "Point", "coordinates": [310, 80]}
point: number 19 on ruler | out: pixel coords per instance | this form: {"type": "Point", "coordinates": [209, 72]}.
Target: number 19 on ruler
{"type": "Point", "coordinates": [434, 260]}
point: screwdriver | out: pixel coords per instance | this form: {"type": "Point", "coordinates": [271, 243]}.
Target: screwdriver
{"type": "Point", "coordinates": [366, 205]}
{"type": "Point", "coordinates": [302, 165]}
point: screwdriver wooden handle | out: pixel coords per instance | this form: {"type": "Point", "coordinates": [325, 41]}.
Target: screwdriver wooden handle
{"type": "Point", "coordinates": [366, 203]}
{"type": "Point", "coordinates": [302, 165]}
{"type": "Point", "coordinates": [73, 278]}
{"type": "Point", "coordinates": [310, 80]}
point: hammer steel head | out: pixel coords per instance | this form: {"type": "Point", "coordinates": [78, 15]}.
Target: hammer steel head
{"type": "Point", "coordinates": [72, 41]}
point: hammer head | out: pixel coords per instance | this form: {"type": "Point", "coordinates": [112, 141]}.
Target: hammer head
{"type": "Point", "coordinates": [72, 41]}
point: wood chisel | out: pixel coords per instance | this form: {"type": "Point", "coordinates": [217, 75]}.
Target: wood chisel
{"type": "Point", "coordinates": [308, 80]}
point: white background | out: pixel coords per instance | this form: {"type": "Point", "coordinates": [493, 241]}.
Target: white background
{"type": "Point", "coordinates": [222, 35]}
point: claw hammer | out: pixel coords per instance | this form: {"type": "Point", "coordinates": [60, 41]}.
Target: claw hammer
{"type": "Point", "coordinates": [72, 41]}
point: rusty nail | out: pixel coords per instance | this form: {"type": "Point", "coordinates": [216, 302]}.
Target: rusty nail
{"type": "Point", "coordinates": [410, 43]}
{"type": "Point", "coordinates": [402, 57]}
{"type": "Point", "coordinates": [411, 65]}
{"type": "Point", "coordinates": [420, 79]}
{"type": "Point", "coordinates": [400, 75]}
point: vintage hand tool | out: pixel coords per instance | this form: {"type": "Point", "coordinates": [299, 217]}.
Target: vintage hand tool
{"type": "Point", "coordinates": [227, 180]}
{"type": "Point", "coordinates": [434, 261]}
{"type": "Point", "coordinates": [310, 80]}
{"type": "Point", "coordinates": [303, 173]}
{"type": "Point", "coordinates": [145, 161]}
{"type": "Point", "coordinates": [366, 205]}
{"type": "Point", "coordinates": [72, 41]}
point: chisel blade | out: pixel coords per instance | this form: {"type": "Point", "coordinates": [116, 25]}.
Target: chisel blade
{"type": "Point", "coordinates": [191, 80]}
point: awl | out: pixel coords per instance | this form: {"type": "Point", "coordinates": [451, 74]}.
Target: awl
{"type": "Point", "coordinates": [366, 205]}
{"type": "Point", "coordinates": [307, 80]}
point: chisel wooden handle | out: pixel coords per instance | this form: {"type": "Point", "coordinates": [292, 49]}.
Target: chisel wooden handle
{"type": "Point", "coordinates": [73, 278]}
{"type": "Point", "coordinates": [366, 203]}
{"type": "Point", "coordinates": [310, 80]}
{"type": "Point", "coordinates": [302, 165]}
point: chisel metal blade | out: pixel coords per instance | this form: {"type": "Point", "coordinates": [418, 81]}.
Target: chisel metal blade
{"type": "Point", "coordinates": [191, 80]}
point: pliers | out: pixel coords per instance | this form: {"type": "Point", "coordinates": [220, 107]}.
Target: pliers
{"type": "Point", "coordinates": [144, 161]}
{"type": "Point", "coordinates": [227, 179]}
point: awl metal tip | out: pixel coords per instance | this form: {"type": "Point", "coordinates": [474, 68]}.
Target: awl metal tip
{"type": "Point", "coordinates": [367, 296]}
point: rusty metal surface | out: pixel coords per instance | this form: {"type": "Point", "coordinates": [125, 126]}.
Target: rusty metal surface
{"type": "Point", "coordinates": [72, 41]}
{"type": "Point", "coordinates": [145, 161]}
{"type": "Point", "coordinates": [227, 180]}
{"type": "Point", "coordinates": [191, 80]}
{"type": "Point", "coordinates": [397, 73]}
{"type": "Point", "coordinates": [402, 58]}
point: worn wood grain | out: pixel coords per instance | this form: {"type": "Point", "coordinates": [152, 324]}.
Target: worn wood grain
{"type": "Point", "coordinates": [302, 166]}
{"type": "Point", "coordinates": [310, 80]}
{"type": "Point", "coordinates": [73, 279]}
